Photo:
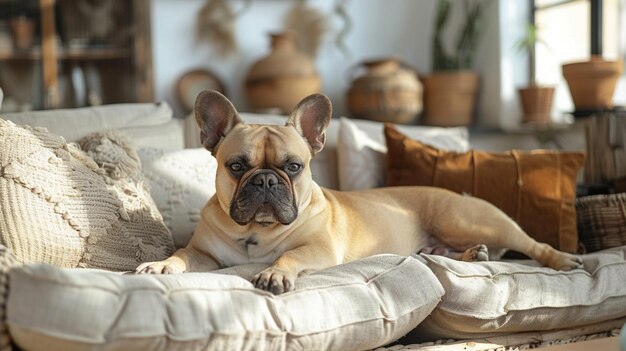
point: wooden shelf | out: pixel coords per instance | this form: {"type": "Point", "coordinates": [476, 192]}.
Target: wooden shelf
{"type": "Point", "coordinates": [70, 54]}
{"type": "Point", "coordinates": [120, 58]}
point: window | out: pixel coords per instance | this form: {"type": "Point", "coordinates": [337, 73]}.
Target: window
{"type": "Point", "coordinates": [570, 31]}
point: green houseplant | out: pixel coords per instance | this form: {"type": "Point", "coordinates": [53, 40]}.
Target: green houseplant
{"type": "Point", "coordinates": [450, 91]}
{"type": "Point", "coordinates": [536, 99]}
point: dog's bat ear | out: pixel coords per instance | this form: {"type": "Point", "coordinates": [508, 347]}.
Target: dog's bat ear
{"type": "Point", "coordinates": [310, 118]}
{"type": "Point", "coordinates": [215, 116]}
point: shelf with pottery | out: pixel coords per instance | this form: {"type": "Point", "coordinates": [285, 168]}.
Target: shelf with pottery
{"type": "Point", "coordinates": [49, 40]}
{"type": "Point", "coordinates": [68, 54]}
{"type": "Point", "coordinates": [560, 135]}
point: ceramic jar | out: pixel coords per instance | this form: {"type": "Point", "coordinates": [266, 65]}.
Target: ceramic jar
{"type": "Point", "coordinates": [592, 83]}
{"type": "Point", "coordinates": [281, 79]}
{"type": "Point", "coordinates": [386, 92]}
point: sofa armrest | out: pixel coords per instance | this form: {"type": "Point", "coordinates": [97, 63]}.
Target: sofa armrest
{"type": "Point", "coordinates": [148, 124]}
{"type": "Point", "coordinates": [7, 261]}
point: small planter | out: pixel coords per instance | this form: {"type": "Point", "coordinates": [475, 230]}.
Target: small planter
{"type": "Point", "coordinates": [23, 30]}
{"type": "Point", "coordinates": [450, 97]}
{"type": "Point", "coordinates": [536, 104]}
{"type": "Point", "coordinates": [592, 83]}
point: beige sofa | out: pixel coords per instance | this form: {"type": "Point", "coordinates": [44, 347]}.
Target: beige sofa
{"type": "Point", "coordinates": [361, 305]}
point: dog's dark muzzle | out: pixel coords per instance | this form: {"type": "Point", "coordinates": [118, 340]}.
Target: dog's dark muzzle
{"type": "Point", "coordinates": [264, 197]}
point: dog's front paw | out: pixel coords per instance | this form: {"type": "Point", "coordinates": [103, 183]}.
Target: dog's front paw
{"type": "Point", "coordinates": [168, 266]}
{"type": "Point", "coordinates": [275, 280]}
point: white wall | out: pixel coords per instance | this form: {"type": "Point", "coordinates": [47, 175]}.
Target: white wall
{"type": "Point", "coordinates": [379, 28]}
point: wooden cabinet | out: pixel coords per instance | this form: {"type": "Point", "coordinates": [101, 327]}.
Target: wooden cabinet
{"type": "Point", "coordinates": [73, 53]}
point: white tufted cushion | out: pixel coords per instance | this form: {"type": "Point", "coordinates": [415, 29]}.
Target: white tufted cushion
{"type": "Point", "coordinates": [355, 306]}
{"type": "Point", "coordinates": [492, 298]}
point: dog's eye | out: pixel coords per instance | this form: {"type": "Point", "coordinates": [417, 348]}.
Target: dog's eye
{"type": "Point", "coordinates": [236, 167]}
{"type": "Point", "coordinates": [293, 167]}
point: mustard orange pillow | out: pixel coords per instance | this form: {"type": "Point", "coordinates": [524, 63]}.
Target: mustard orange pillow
{"type": "Point", "coordinates": [535, 188]}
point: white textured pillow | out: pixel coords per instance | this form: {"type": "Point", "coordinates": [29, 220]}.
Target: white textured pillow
{"type": "Point", "coordinates": [181, 182]}
{"type": "Point", "coordinates": [58, 206]}
{"type": "Point", "coordinates": [489, 298]}
{"type": "Point", "coordinates": [356, 306]}
{"type": "Point", "coordinates": [362, 150]}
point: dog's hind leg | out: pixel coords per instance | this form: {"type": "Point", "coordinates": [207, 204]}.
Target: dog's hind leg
{"type": "Point", "coordinates": [477, 221]}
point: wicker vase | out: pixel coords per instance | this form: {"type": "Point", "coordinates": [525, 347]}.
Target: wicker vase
{"type": "Point", "coordinates": [592, 83]}
{"type": "Point", "coordinates": [282, 78]}
{"type": "Point", "coordinates": [536, 103]}
{"type": "Point", "coordinates": [450, 98]}
{"type": "Point", "coordinates": [386, 92]}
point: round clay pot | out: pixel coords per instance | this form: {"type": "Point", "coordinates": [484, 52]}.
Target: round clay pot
{"type": "Point", "coordinates": [592, 83]}
{"type": "Point", "coordinates": [282, 78]}
{"type": "Point", "coordinates": [386, 92]}
{"type": "Point", "coordinates": [536, 103]}
{"type": "Point", "coordinates": [450, 97]}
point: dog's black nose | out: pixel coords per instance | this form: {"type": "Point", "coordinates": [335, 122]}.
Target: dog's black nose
{"type": "Point", "coordinates": [265, 180]}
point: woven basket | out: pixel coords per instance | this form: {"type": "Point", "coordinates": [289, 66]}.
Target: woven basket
{"type": "Point", "coordinates": [602, 221]}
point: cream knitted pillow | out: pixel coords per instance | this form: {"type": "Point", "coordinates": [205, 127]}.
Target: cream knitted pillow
{"type": "Point", "coordinates": [59, 207]}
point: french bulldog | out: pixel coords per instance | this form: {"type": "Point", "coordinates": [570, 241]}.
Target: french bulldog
{"type": "Point", "coordinates": [268, 209]}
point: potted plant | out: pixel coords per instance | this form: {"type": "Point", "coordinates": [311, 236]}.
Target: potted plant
{"type": "Point", "coordinates": [450, 91]}
{"type": "Point", "coordinates": [536, 99]}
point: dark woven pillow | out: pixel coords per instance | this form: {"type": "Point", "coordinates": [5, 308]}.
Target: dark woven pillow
{"type": "Point", "coordinates": [602, 221]}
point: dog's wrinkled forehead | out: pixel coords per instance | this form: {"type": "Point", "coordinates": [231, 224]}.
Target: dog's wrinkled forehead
{"type": "Point", "coordinates": [264, 144]}
{"type": "Point", "coordinates": [217, 118]}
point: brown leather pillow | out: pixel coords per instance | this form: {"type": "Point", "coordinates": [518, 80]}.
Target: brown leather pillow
{"type": "Point", "coordinates": [536, 188]}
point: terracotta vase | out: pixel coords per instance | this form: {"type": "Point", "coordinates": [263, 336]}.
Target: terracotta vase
{"type": "Point", "coordinates": [536, 103]}
{"type": "Point", "coordinates": [386, 92]}
{"type": "Point", "coordinates": [592, 83]}
{"type": "Point", "coordinates": [282, 78]}
{"type": "Point", "coordinates": [450, 97]}
{"type": "Point", "coordinates": [23, 30]}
